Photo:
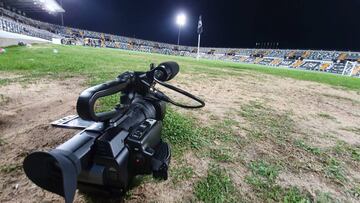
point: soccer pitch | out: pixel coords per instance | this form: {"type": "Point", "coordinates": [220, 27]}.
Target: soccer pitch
{"type": "Point", "coordinates": [106, 63]}
{"type": "Point", "coordinates": [266, 134]}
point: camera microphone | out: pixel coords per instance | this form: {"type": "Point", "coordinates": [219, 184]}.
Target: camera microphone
{"type": "Point", "coordinates": [166, 71]}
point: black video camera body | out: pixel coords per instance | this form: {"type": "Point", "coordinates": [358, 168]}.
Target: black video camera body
{"type": "Point", "coordinates": [113, 147]}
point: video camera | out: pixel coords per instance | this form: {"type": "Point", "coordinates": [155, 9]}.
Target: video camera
{"type": "Point", "coordinates": [115, 146]}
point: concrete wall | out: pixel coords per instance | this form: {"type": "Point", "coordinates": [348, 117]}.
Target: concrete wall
{"type": "Point", "coordinates": [9, 39]}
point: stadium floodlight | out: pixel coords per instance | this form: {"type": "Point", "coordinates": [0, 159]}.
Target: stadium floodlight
{"type": "Point", "coordinates": [180, 21]}
{"type": "Point", "coordinates": [51, 6]}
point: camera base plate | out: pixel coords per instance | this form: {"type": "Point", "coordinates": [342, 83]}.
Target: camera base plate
{"type": "Point", "coordinates": [72, 122]}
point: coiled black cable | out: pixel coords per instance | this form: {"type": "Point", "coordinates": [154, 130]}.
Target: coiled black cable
{"type": "Point", "coordinates": [165, 98]}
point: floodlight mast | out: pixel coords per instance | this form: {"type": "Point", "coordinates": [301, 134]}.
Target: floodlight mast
{"type": "Point", "coordinates": [180, 21]}
{"type": "Point", "coordinates": [62, 14]}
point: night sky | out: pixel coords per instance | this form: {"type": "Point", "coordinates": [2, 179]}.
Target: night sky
{"type": "Point", "coordinates": [295, 24]}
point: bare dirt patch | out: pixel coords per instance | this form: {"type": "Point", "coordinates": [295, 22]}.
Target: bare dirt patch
{"type": "Point", "coordinates": [7, 75]}
{"type": "Point", "coordinates": [24, 127]}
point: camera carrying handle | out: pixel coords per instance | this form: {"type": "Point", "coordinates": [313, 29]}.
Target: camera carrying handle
{"type": "Point", "coordinates": [139, 81]}
{"type": "Point", "coordinates": [86, 101]}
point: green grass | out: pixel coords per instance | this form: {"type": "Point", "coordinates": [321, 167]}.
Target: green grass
{"type": "Point", "coordinates": [294, 195]}
{"type": "Point", "coordinates": [353, 101]}
{"type": "Point", "coordinates": [2, 142]}
{"type": "Point", "coordinates": [264, 170]}
{"type": "Point", "coordinates": [326, 116]}
{"type": "Point", "coordinates": [108, 103]}
{"type": "Point", "coordinates": [346, 150]}
{"type": "Point", "coordinates": [181, 132]}
{"type": "Point", "coordinates": [103, 64]}
{"type": "Point", "coordinates": [10, 168]}
{"type": "Point", "coordinates": [355, 191]}
{"type": "Point", "coordinates": [355, 130]}
{"type": "Point", "coordinates": [181, 173]}
{"type": "Point", "coordinates": [301, 144]}
{"type": "Point", "coordinates": [222, 154]}
{"type": "Point", "coordinates": [266, 122]}
{"type": "Point", "coordinates": [4, 100]}
{"type": "Point", "coordinates": [4, 81]}
{"type": "Point", "coordinates": [216, 187]}
{"type": "Point", "coordinates": [324, 197]}
{"type": "Point", "coordinates": [220, 131]}
{"type": "Point", "coordinates": [335, 170]}
{"type": "Point", "coordinates": [263, 181]}
{"type": "Point", "coordinates": [325, 78]}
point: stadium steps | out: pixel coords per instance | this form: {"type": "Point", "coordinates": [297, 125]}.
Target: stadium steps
{"type": "Point", "coordinates": [242, 59]}
{"type": "Point", "coordinates": [258, 60]}
{"type": "Point", "coordinates": [337, 68]}
{"type": "Point", "coordinates": [306, 54]}
{"type": "Point", "coordinates": [356, 71]}
{"type": "Point", "coordinates": [291, 54]}
{"type": "Point", "coordinates": [275, 62]}
{"type": "Point", "coordinates": [342, 57]}
{"type": "Point", "coordinates": [310, 65]}
{"type": "Point", "coordinates": [297, 64]}
{"type": "Point", "coordinates": [324, 66]}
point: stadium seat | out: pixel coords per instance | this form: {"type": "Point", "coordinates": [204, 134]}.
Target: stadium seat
{"type": "Point", "coordinates": [324, 66]}
{"type": "Point", "coordinates": [297, 64]}
{"type": "Point", "coordinates": [356, 71]}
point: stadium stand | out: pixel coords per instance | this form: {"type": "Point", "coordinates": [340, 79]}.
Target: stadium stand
{"type": "Point", "coordinates": [314, 60]}
{"type": "Point", "coordinates": [325, 66]}
{"type": "Point", "coordinates": [310, 65]}
{"type": "Point", "coordinates": [356, 71]}
{"type": "Point", "coordinates": [296, 64]}
{"type": "Point", "coordinates": [337, 68]}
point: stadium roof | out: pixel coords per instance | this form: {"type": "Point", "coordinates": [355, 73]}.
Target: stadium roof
{"type": "Point", "coordinates": [51, 6]}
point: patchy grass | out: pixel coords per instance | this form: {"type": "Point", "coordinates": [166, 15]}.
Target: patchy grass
{"type": "Point", "coordinates": [221, 131]}
{"type": "Point", "coordinates": [355, 191]}
{"type": "Point", "coordinates": [4, 100]}
{"type": "Point", "coordinates": [266, 122]}
{"type": "Point", "coordinates": [355, 130]}
{"type": "Point", "coordinates": [313, 150]}
{"type": "Point", "coordinates": [108, 103]}
{"type": "Point", "coordinates": [345, 150]}
{"type": "Point", "coordinates": [2, 142]}
{"type": "Point", "coordinates": [355, 153]}
{"type": "Point", "coordinates": [334, 170]}
{"type": "Point", "coordinates": [341, 98]}
{"type": "Point", "coordinates": [217, 186]}
{"type": "Point", "coordinates": [263, 181]}
{"type": "Point", "coordinates": [326, 116]}
{"type": "Point", "coordinates": [294, 195]}
{"type": "Point", "coordinates": [222, 154]}
{"type": "Point", "coordinates": [181, 173]}
{"type": "Point", "coordinates": [10, 168]}
{"type": "Point", "coordinates": [181, 132]}
{"type": "Point", "coordinates": [324, 197]}
{"type": "Point", "coordinates": [4, 81]}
